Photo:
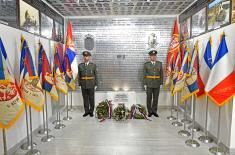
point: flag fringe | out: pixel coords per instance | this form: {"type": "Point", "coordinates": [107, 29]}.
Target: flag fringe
{"type": "Point", "coordinates": [12, 122]}
{"type": "Point", "coordinates": [56, 98]}
{"type": "Point", "coordinates": [217, 103]}
{"type": "Point", "coordinates": [71, 85]}
{"type": "Point", "coordinates": [185, 97]}
{"type": "Point", "coordinates": [5, 81]}
{"type": "Point", "coordinates": [34, 106]}
{"type": "Point", "coordinates": [33, 77]}
{"type": "Point", "coordinates": [62, 90]}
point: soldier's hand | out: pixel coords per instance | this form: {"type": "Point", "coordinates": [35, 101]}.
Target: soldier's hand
{"type": "Point", "coordinates": [95, 87]}
{"type": "Point", "coordinates": [145, 87]}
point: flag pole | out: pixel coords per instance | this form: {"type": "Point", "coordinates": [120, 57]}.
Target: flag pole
{"type": "Point", "coordinates": [32, 151]}
{"type": "Point", "coordinates": [67, 117]}
{"type": "Point", "coordinates": [184, 132]}
{"type": "Point", "coordinates": [175, 108]}
{"type": "Point", "coordinates": [48, 137]}
{"type": "Point", "coordinates": [193, 126]}
{"type": "Point", "coordinates": [177, 122]}
{"type": "Point", "coordinates": [57, 119]}
{"type": "Point", "coordinates": [59, 125]}
{"type": "Point", "coordinates": [71, 109]}
{"type": "Point", "coordinates": [185, 120]}
{"type": "Point", "coordinates": [191, 142]}
{"type": "Point", "coordinates": [43, 131]}
{"type": "Point", "coordinates": [171, 117]}
{"type": "Point", "coordinates": [217, 150]}
{"type": "Point", "coordinates": [26, 145]}
{"type": "Point", "coordinates": [4, 141]}
{"type": "Point", "coordinates": [206, 139]}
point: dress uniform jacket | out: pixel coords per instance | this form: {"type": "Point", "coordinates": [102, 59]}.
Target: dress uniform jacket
{"type": "Point", "coordinates": [153, 74]}
{"type": "Point", "coordinates": [87, 75]}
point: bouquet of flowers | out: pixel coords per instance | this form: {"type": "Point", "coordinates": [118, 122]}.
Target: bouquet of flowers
{"type": "Point", "coordinates": [138, 111]}
{"type": "Point", "coordinates": [120, 112]}
{"type": "Point", "coordinates": [104, 110]}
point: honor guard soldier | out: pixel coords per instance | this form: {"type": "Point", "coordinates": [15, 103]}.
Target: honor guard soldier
{"type": "Point", "coordinates": [87, 79]}
{"type": "Point", "coordinates": [153, 78]}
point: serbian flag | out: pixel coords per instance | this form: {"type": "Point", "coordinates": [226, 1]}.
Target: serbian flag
{"type": "Point", "coordinates": [172, 54]}
{"type": "Point", "coordinates": [11, 105]}
{"type": "Point", "coordinates": [70, 51]}
{"type": "Point", "coordinates": [58, 73]}
{"type": "Point", "coordinates": [179, 85]}
{"type": "Point", "coordinates": [45, 73]}
{"type": "Point", "coordinates": [68, 73]}
{"type": "Point", "coordinates": [220, 86]}
{"type": "Point", "coordinates": [191, 82]}
{"type": "Point", "coordinates": [204, 69]}
{"type": "Point", "coordinates": [30, 85]}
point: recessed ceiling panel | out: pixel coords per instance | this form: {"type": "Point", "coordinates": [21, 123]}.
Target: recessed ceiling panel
{"type": "Point", "coordinates": [119, 7]}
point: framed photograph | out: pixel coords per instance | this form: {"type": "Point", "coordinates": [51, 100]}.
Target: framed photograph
{"type": "Point", "coordinates": [29, 18]}
{"type": "Point", "coordinates": [233, 11]}
{"type": "Point", "coordinates": [8, 13]}
{"type": "Point", "coordinates": [58, 32]}
{"type": "Point", "coordinates": [185, 27]}
{"type": "Point", "coordinates": [46, 26]}
{"type": "Point", "coordinates": [218, 13]}
{"type": "Point", "coordinates": [199, 22]}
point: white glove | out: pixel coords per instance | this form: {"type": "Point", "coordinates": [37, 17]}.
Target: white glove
{"type": "Point", "coordinates": [145, 87]}
{"type": "Point", "coordinates": [79, 87]}
{"type": "Point", "coordinates": [95, 87]}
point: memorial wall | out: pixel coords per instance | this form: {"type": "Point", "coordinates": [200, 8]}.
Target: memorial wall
{"type": "Point", "coordinates": [119, 47]}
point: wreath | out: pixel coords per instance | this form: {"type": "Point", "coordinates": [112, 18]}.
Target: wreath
{"type": "Point", "coordinates": [120, 112]}
{"type": "Point", "coordinates": [138, 111]}
{"type": "Point", "coordinates": [104, 110]}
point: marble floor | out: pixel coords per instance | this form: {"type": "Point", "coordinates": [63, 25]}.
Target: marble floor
{"type": "Point", "coordinates": [87, 136]}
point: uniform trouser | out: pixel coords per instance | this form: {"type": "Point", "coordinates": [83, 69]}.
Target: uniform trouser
{"type": "Point", "coordinates": [88, 99]}
{"type": "Point", "coordinates": [152, 99]}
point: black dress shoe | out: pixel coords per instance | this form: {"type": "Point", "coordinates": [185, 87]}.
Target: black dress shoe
{"type": "Point", "coordinates": [150, 114]}
{"type": "Point", "coordinates": [86, 114]}
{"type": "Point", "coordinates": [155, 114]}
{"type": "Point", "coordinates": [91, 114]}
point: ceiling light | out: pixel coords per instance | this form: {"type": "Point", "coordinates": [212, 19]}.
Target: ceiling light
{"type": "Point", "coordinates": [116, 88]}
{"type": "Point", "coordinates": [126, 88]}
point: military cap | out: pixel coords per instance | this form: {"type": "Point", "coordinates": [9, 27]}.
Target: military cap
{"type": "Point", "coordinates": [86, 53]}
{"type": "Point", "coordinates": [152, 51]}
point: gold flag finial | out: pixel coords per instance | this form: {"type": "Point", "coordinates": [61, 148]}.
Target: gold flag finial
{"type": "Point", "coordinates": [210, 40]}
{"type": "Point", "coordinates": [221, 36]}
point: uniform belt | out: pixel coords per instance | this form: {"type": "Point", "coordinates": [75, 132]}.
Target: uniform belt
{"type": "Point", "coordinates": [87, 78]}
{"type": "Point", "coordinates": [152, 77]}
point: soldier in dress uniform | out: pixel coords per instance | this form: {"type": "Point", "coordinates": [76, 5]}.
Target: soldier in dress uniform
{"type": "Point", "coordinates": [153, 78]}
{"type": "Point", "coordinates": [87, 79]}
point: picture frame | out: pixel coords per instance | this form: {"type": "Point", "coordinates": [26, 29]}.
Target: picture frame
{"type": "Point", "coordinates": [218, 14]}
{"type": "Point", "coordinates": [46, 26]}
{"type": "Point", "coordinates": [29, 18]}
{"type": "Point", "coordinates": [58, 32]}
{"type": "Point", "coordinates": [185, 29]}
{"type": "Point", "coordinates": [199, 22]}
{"type": "Point", "coordinates": [7, 16]}
{"type": "Point", "coordinates": [233, 12]}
